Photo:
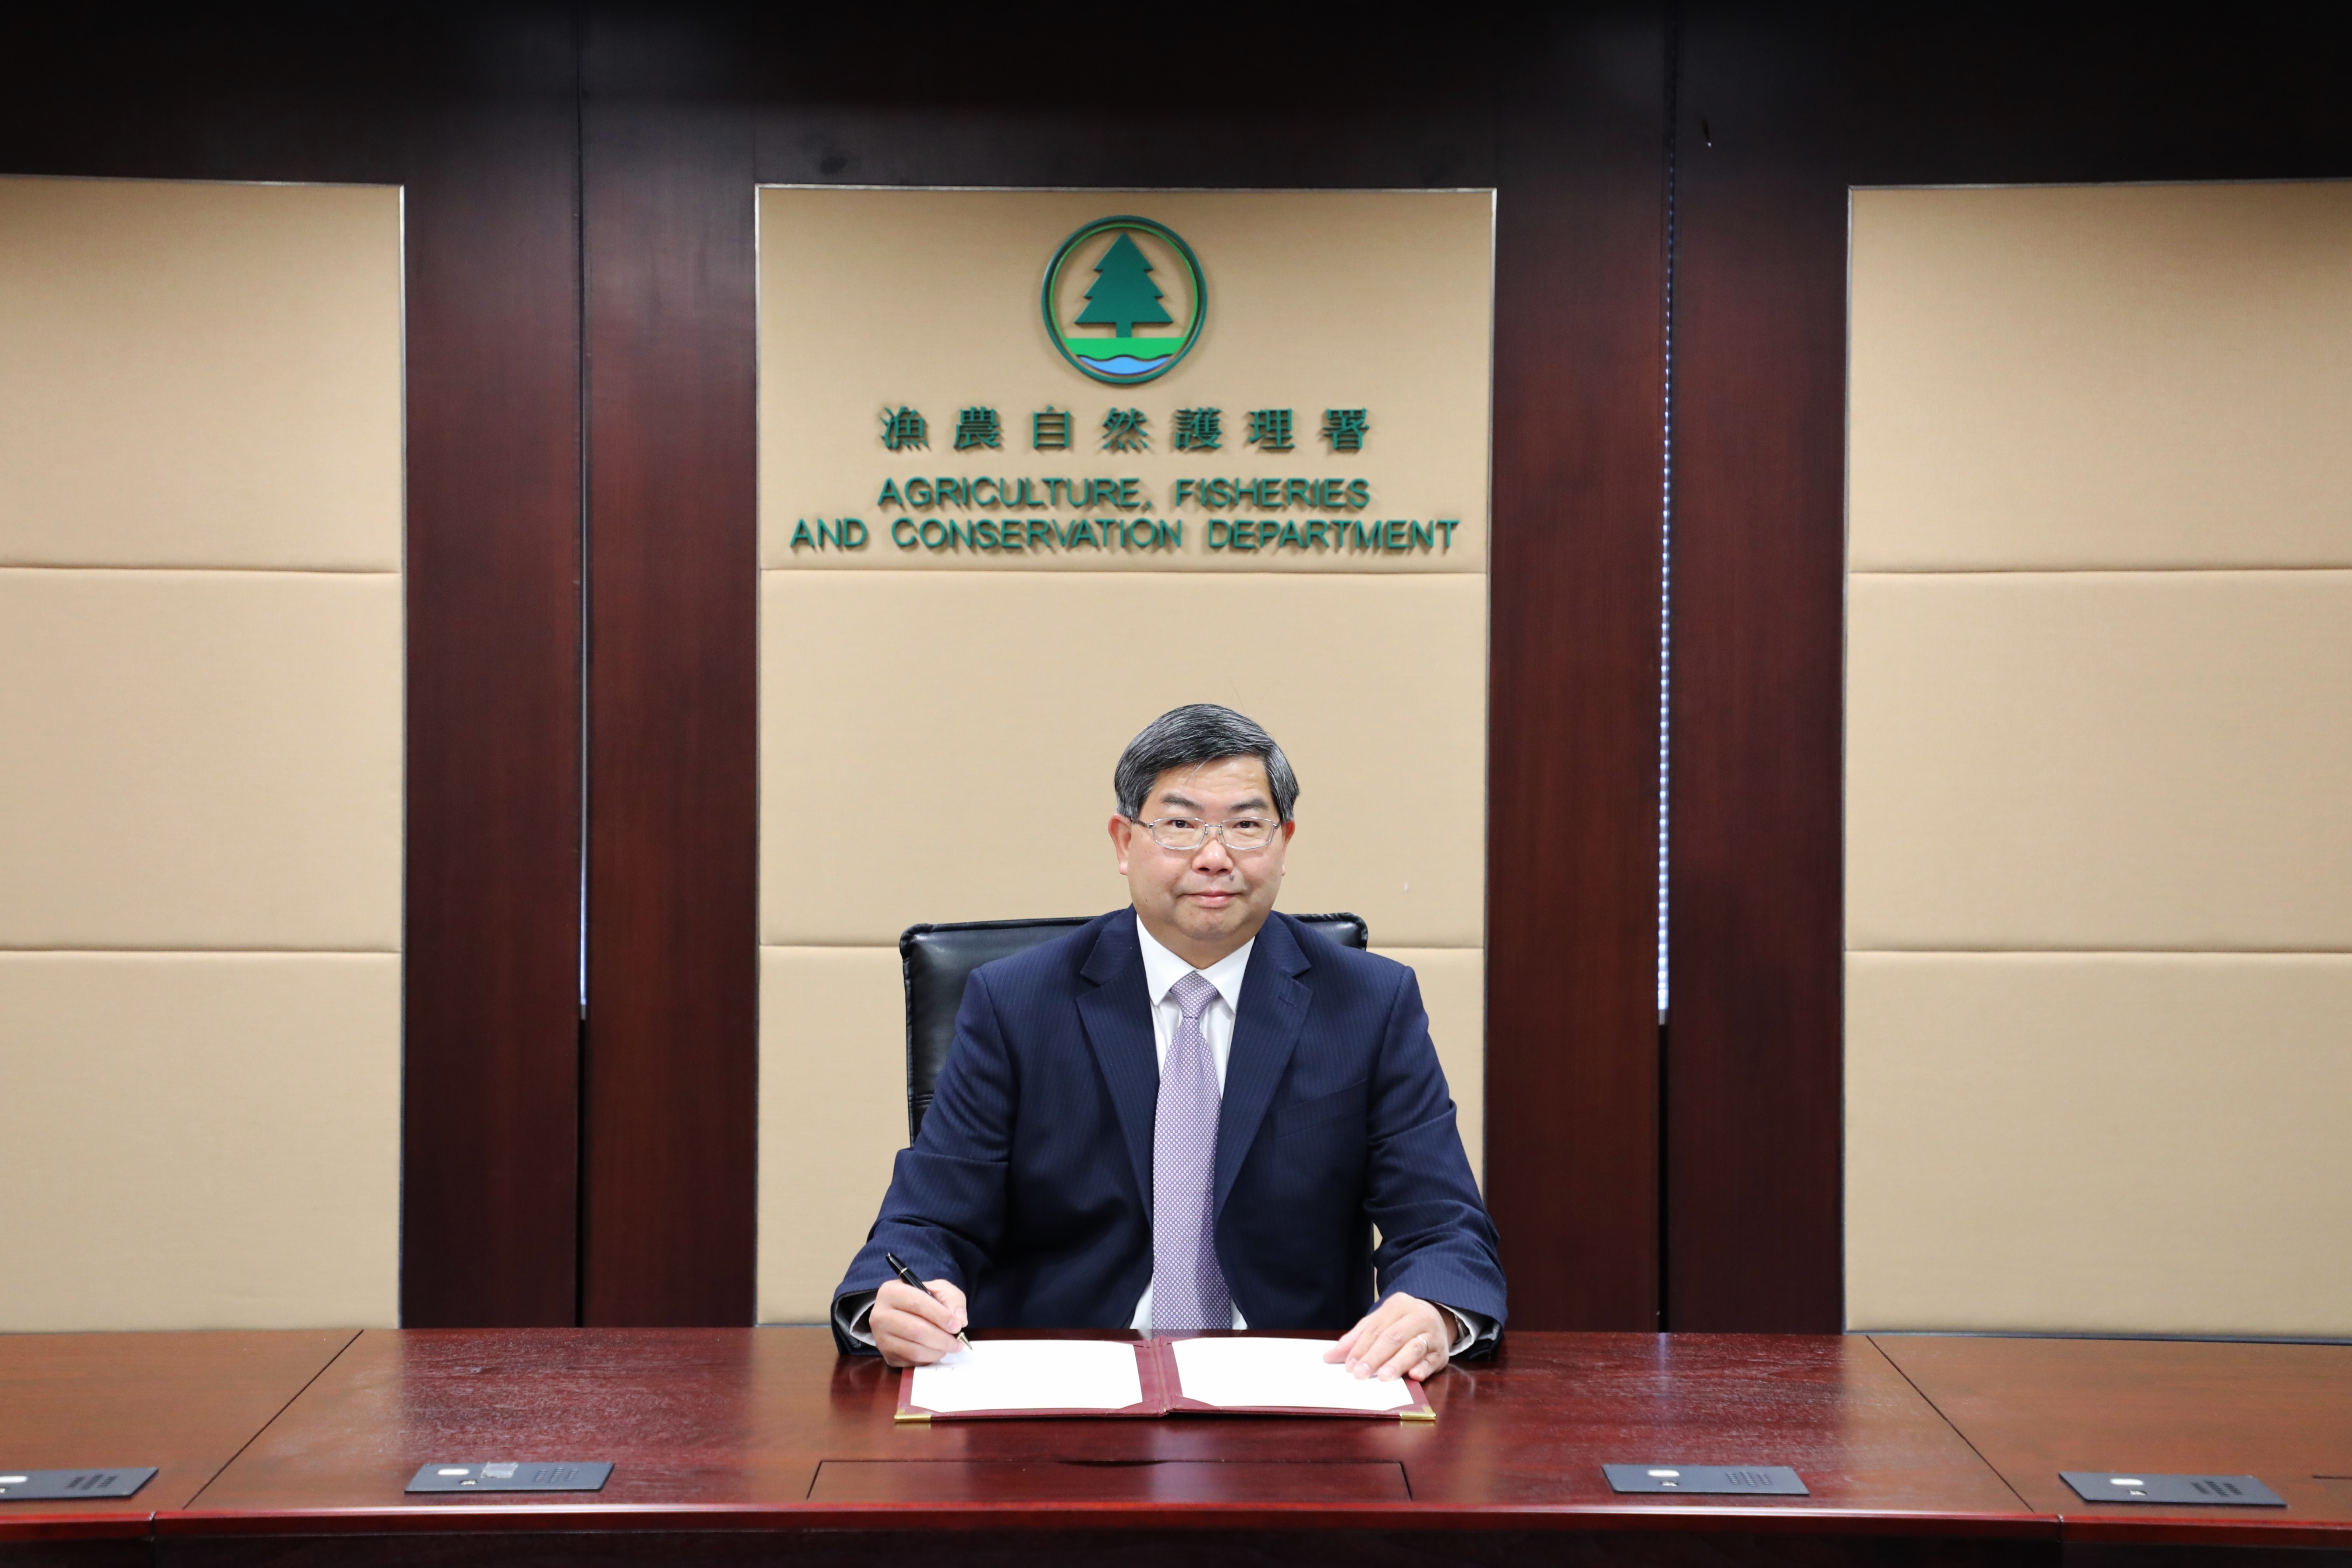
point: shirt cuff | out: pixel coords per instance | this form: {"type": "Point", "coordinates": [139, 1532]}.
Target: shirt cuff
{"type": "Point", "coordinates": [850, 1314]}
{"type": "Point", "coordinates": [1471, 1330]}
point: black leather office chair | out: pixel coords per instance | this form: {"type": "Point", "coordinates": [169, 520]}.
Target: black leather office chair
{"type": "Point", "coordinates": [938, 960]}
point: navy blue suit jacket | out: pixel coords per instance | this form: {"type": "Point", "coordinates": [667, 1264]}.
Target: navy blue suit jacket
{"type": "Point", "coordinates": [1030, 1185]}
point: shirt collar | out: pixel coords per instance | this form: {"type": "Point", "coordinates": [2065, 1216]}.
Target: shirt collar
{"type": "Point", "coordinates": [1163, 969]}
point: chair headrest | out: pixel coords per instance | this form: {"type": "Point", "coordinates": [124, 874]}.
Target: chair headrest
{"type": "Point", "coordinates": [937, 958]}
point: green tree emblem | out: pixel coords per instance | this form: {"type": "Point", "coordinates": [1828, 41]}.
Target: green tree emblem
{"type": "Point", "coordinates": [1124, 296]}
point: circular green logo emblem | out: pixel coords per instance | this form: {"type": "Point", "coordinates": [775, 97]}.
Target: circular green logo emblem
{"type": "Point", "coordinates": [1124, 300]}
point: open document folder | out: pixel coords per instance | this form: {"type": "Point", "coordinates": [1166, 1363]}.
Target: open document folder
{"type": "Point", "coordinates": [998, 1378]}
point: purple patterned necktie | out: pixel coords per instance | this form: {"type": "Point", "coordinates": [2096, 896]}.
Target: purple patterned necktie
{"type": "Point", "coordinates": [1188, 1288]}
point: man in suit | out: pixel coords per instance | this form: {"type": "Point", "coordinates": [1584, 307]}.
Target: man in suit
{"type": "Point", "coordinates": [1191, 1114]}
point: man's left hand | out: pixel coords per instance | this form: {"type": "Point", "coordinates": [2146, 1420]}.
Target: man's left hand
{"type": "Point", "coordinates": [1404, 1335]}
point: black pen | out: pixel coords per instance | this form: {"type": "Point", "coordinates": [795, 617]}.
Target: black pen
{"type": "Point", "coordinates": [907, 1274]}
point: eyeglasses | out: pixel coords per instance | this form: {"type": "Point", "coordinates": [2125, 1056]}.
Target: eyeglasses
{"type": "Point", "coordinates": [1190, 832]}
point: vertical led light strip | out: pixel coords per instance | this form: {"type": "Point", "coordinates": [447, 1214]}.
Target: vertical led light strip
{"type": "Point", "coordinates": [1666, 518]}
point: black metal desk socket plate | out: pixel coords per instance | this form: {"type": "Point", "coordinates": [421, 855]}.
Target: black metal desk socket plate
{"type": "Point", "coordinates": [1741, 1480]}
{"type": "Point", "coordinates": [2146, 1486]}
{"type": "Point", "coordinates": [64, 1485]}
{"type": "Point", "coordinates": [512, 1476]}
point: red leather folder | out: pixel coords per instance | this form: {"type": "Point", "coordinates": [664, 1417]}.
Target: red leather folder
{"type": "Point", "coordinates": [1155, 1366]}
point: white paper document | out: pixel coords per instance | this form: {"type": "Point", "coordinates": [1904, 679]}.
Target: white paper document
{"type": "Point", "coordinates": [1237, 1374]}
{"type": "Point", "coordinates": [1032, 1374]}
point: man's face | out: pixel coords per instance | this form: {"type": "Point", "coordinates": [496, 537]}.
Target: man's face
{"type": "Point", "coordinates": [1202, 904]}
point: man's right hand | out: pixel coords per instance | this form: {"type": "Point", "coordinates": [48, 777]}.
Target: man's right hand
{"type": "Point", "coordinates": [912, 1328]}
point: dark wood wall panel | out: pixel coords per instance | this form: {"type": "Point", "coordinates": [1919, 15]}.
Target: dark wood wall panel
{"type": "Point", "coordinates": [472, 111]}
{"type": "Point", "coordinates": [1572, 1122]}
{"type": "Point", "coordinates": [490, 1190]}
{"type": "Point", "coordinates": [1753, 1075]}
{"type": "Point", "coordinates": [671, 1064]}
{"type": "Point", "coordinates": [858, 99]}
{"type": "Point", "coordinates": [1782, 108]}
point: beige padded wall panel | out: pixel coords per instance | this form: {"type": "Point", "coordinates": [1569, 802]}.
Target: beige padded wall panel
{"type": "Point", "coordinates": [2147, 760]}
{"type": "Point", "coordinates": [928, 299]}
{"type": "Point", "coordinates": [2095, 377]}
{"type": "Point", "coordinates": [199, 374]}
{"type": "Point", "coordinates": [200, 760]}
{"type": "Point", "coordinates": [2098, 867]}
{"type": "Point", "coordinates": [199, 1141]}
{"type": "Point", "coordinates": [2105, 1143]}
{"type": "Point", "coordinates": [938, 746]}
{"type": "Point", "coordinates": [833, 1100]}
{"type": "Point", "coordinates": [200, 691]}
{"type": "Point", "coordinates": [833, 1115]}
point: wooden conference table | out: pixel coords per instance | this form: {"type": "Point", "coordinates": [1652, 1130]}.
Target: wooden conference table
{"type": "Point", "coordinates": [759, 1445]}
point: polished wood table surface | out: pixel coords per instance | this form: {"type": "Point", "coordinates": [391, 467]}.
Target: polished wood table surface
{"type": "Point", "coordinates": [2034, 1408]}
{"type": "Point", "coordinates": [769, 1427]}
{"type": "Point", "coordinates": [762, 1445]}
{"type": "Point", "coordinates": [732, 1445]}
{"type": "Point", "coordinates": [184, 1402]}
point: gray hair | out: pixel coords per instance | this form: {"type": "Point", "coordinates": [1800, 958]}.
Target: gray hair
{"type": "Point", "coordinates": [1189, 736]}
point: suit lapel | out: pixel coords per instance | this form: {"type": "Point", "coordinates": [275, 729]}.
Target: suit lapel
{"type": "Point", "coordinates": [1117, 1013]}
{"type": "Point", "coordinates": [1265, 1032]}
